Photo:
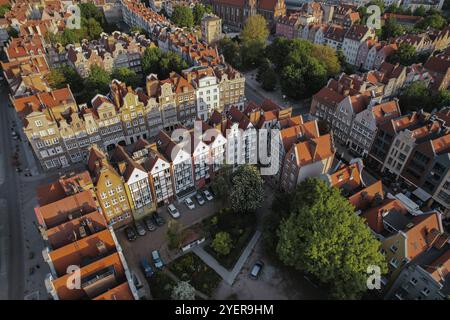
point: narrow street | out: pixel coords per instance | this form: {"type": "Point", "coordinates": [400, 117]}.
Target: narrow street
{"type": "Point", "coordinates": [10, 213]}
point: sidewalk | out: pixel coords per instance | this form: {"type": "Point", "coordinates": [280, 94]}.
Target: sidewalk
{"type": "Point", "coordinates": [228, 276]}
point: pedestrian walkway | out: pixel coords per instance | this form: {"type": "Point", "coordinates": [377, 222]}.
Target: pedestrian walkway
{"type": "Point", "coordinates": [175, 278]}
{"type": "Point", "coordinates": [228, 276]}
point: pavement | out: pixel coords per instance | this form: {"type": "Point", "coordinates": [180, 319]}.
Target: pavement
{"type": "Point", "coordinates": [228, 276]}
{"type": "Point", "coordinates": [254, 92]}
{"type": "Point", "coordinates": [157, 240]}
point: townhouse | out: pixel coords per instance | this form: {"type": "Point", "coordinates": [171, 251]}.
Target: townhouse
{"type": "Point", "coordinates": [178, 154]}
{"type": "Point", "coordinates": [206, 89]}
{"type": "Point", "coordinates": [404, 235]}
{"type": "Point", "coordinates": [309, 157]}
{"type": "Point", "coordinates": [79, 237]}
{"type": "Point", "coordinates": [136, 182]}
{"type": "Point", "coordinates": [439, 69]}
{"type": "Point", "coordinates": [425, 278]}
{"type": "Point", "coordinates": [366, 123]}
{"type": "Point", "coordinates": [414, 148]}
{"type": "Point", "coordinates": [211, 28]}
{"type": "Point", "coordinates": [158, 168]}
{"type": "Point", "coordinates": [353, 39]}
{"type": "Point", "coordinates": [231, 85]}
{"type": "Point", "coordinates": [110, 189]}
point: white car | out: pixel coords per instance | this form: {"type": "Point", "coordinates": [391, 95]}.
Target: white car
{"type": "Point", "coordinates": [189, 203]}
{"type": "Point", "coordinates": [208, 195]}
{"type": "Point", "coordinates": [173, 211]}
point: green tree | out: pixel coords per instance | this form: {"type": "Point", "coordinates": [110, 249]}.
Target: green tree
{"type": "Point", "coordinates": [128, 76]}
{"type": "Point", "coordinates": [150, 60]}
{"type": "Point", "coordinates": [324, 237]}
{"type": "Point", "coordinates": [269, 79]}
{"type": "Point", "coordinates": [97, 82]}
{"type": "Point", "coordinates": [183, 291]}
{"type": "Point", "coordinates": [222, 243]}
{"type": "Point", "coordinates": [420, 11]}
{"type": "Point", "coordinates": [174, 234]}
{"type": "Point", "coordinates": [182, 16]}
{"type": "Point", "coordinates": [435, 21]}
{"type": "Point", "coordinates": [92, 27]}
{"type": "Point", "coordinates": [90, 11]}
{"type": "Point", "coordinates": [405, 55]}
{"type": "Point", "coordinates": [252, 53]}
{"type": "Point", "coordinates": [391, 29]}
{"type": "Point", "coordinates": [278, 50]}
{"type": "Point", "coordinates": [56, 79]}
{"type": "Point", "coordinates": [221, 185]}
{"type": "Point", "coordinates": [328, 57]}
{"type": "Point", "coordinates": [247, 193]}
{"type": "Point", "coordinates": [198, 11]}
{"type": "Point", "coordinates": [230, 51]}
{"type": "Point", "coordinates": [4, 8]}
{"type": "Point", "coordinates": [255, 29]}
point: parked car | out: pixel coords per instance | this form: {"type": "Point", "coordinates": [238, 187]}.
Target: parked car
{"type": "Point", "coordinates": [149, 224]}
{"type": "Point", "coordinates": [140, 229]}
{"type": "Point", "coordinates": [256, 269]}
{"type": "Point", "coordinates": [159, 221]}
{"type": "Point", "coordinates": [131, 234]}
{"type": "Point", "coordinates": [189, 203]}
{"type": "Point", "coordinates": [208, 195]}
{"type": "Point", "coordinates": [173, 211]}
{"type": "Point", "coordinates": [148, 271]}
{"type": "Point", "coordinates": [157, 259]}
{"type": "Point", "coordinates": [200, 199]}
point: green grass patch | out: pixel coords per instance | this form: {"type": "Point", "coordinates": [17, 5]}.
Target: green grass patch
{"type": "Point", "coordinates": [191, 268]}
{"type": "Point", "coordinates": [241, 228]}
{"type": "Point", "coordinates": [161, 286]}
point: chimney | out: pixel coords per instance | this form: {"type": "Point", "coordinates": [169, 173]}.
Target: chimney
{"type": "Point", "coordinates": [101, 247]}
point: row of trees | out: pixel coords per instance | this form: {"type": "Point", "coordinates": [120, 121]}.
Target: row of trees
{"type": "Point", "coordinates": [298, 66]}
{"type": "Point", "coordinates": [97, 82]}
{"type": "Point", "coordinates": [93, 23]}
{"type": "Point", "coordinates": [315, 230]}
{"type": "Point", "coordinates": [154, 60]}
{"type": "Point", "coordinates": [418, 96]}
{"type": "Point", "coordinates": [184, 16]}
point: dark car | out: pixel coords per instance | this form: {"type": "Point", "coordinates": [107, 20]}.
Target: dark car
{"type": "Point", "coordinates": [131, 234]}
{"type": "Point", "coordinates": [148, 271]}
{"type": "Point", "coordinates": [199, 199]}
{"type": "Point", "coordinates": [159, 221]}
{"type": "Point", "coordinates": [256, 269]}
{"type": "Point", "coordinates": [149, 224]}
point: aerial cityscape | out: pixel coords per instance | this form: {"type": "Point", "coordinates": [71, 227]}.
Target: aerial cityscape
{"type": "Point", "coordinates": [225, 150]}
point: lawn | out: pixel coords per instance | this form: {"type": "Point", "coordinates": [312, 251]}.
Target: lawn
{"type": "Point", "coordinates": [241, 228]}
{"type": "Point", "coordinates": [161, 286]}
{"type": "Point", "coordinates": [191, 268]}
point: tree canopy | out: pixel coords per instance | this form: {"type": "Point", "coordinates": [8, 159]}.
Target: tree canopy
{"type": "Point", "coordinates": [247, 191]}
{"type": "Point", "coordinates": [255, 29]}
{"type": "Point", "coordinates": [323, 236]}
{"type": "Point", "coordinates": [418, 96]}
{"type": "Point", "coordinates": [222, 243]}
{"type": "Point", "coordinates": [231, 51]}
{"type": "Point", "coordinates": [435, 21]}
{"type": "Point", "coordinates": [183, 291]}
{"type": "Point", "coordinates": [182, 16]}
{"type": "Point", "coordinates": [128, 76]}
{"type": "Point", "coordinates": [405, 55]}
{"type": "Point", "coordinates": [199, 10]}
{"type": "Point", "coordinates": [162, 63]}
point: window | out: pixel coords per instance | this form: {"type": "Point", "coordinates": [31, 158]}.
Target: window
{"type": "Point", "coordinates": [38, 123]}
{"type": "Point", "coordinates": [394, 262]}
{"type": "Point", "coordinates": [111, 192]}
{"type": "Point", "coordinates": [413, 281]}
{"type": "Point", "coordinates": [114, 201]}
{"type": "Point", "coordinates": [121, 198]}
{"type": "Point", "coordinates": [119, 189]}
{"type": "Point", "coordinates": [106, 204]}
{"type": "Point", "coordinates": [103, 195]}
{"type": "Point", "coordinates": [108, 183]}
{"type": "Point", "coordinates": [394, 248]}
{"type": "Point", "coordinates": [426, 291]}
